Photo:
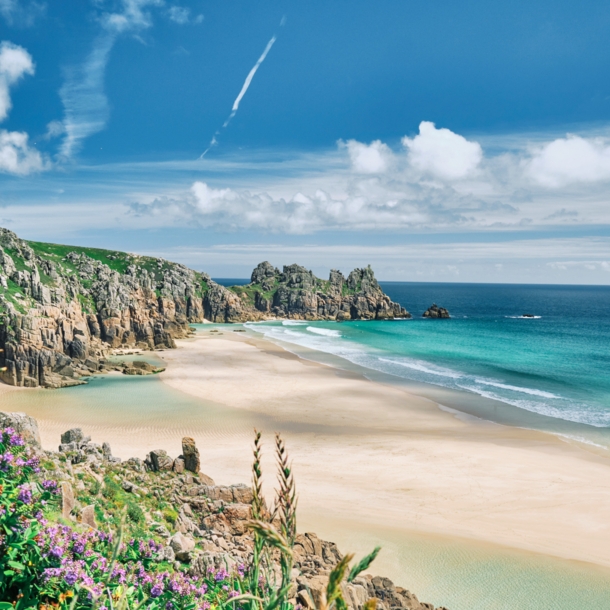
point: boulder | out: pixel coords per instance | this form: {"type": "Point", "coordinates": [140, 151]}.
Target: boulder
{"type": "Point", "coordinates": [436, 312]}
{"type": "Point", "coordinates": [74, 435]}
{"type": "Point", "coordinates": [178, 466]}
{"type": "Point", "coordinates": [87, 516]}
{"type": "Point", "coordinates": [182, 546]}
{"type": "Point", "coordinates": [160, 460]}
{"type": "Point", "coordinates": [190, 454]}
{"type": "Point", "coordinates": [67, 499]}
{"type": "Point", "coordinates": [23, 424]}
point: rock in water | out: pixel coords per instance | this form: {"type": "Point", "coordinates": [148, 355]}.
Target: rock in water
{"type": "Point", "coordinates": [436, 312]}
{"type": "Point", "coordinates": [22, 424]}
{"type": "Point", "coordinates": [190, 454]}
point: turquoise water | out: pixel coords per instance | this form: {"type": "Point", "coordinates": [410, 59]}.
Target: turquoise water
{"type": "Point", "coordinates": [548, 372]}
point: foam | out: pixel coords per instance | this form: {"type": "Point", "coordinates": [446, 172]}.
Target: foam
{"type": "Point", "coordinates": [326, 332]}
{"type": "Point", "coordinates": [419, 366]}
{"type": "Point", "coordinates": [514, 388]}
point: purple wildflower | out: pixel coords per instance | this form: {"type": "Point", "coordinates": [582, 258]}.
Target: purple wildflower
{"type": "Point", "coordinates": [156, 590]}
{"type": "Point", "coordinates": [25, 494]}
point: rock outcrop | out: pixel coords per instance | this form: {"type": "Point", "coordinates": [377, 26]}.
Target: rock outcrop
{"type": "Point", "coordinates": [208, 526]}
{"type": "Point", "coordinates": [297, 293]}
{"type": "Point", "coordinates": [63, 309]}
{"type": "Point", "coordinates": [436, 312]}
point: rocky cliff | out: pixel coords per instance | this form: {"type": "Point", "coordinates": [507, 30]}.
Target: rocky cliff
{"type": "Point", "coordinates": [62, 308]}
{"type": "Point", "coordinates": [297, 293]}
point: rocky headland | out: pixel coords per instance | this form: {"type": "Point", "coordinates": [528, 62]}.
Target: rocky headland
{"type": "Point", "coordinates": [197, 526]}
{"type": "Point", "coordinates": [63, 309]}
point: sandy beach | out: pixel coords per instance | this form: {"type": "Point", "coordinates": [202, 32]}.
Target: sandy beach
{"type": "Point", "coordinates": [367, 456]}
{"type": "Point", "coordinates": [378, 455]}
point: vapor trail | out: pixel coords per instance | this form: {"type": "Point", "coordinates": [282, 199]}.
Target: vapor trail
{"type": "Point", "coordinates": [247, 82]}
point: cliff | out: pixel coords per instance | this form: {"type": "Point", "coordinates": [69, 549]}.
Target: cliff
{"type": "Point", "coordinates": [297, 293]}
{"type": "Point", "coordinates": [62, 308]}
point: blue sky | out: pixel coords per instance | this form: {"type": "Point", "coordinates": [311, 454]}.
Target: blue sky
{"type": "Point", "coordinates": [439, 141]}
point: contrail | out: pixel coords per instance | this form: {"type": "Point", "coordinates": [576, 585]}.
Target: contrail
{"type": "Point", "coordinates": [247, 82]}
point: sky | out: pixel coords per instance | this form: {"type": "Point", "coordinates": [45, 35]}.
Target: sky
{"type": "Point", "coordinates": [462, 141]}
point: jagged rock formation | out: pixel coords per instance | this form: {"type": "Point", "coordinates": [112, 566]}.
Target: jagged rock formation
{"type": "Point", "coordinates": [63, 308]}
{"type": "Point", "coordinates": [436, 312]}
{"type": "Point", "coordinates": [297, 293]}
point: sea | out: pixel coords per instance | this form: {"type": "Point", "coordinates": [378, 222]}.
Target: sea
{"type": "Point", "coordinates": [533, 356]}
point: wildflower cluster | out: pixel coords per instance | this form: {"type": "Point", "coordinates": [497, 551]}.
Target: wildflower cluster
{"type": "Point", "coordinates": [83, 562]}
{"type": "Point", "coordinates": [46, 564]}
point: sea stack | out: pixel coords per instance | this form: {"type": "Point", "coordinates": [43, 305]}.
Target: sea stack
{"type": "Point", "coordinates": [436, 312]}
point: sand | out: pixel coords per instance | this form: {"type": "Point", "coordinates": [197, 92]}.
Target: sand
{"type": "Point", "coordinates": [367, 456]}
{"type": "Point", "coordinates": [381, 457]}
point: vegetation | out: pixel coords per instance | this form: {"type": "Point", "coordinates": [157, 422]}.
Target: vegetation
{"type": "Point", "coordinates": [46, 562]}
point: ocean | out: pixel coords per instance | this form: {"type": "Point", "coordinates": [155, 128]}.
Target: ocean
{"type": "Point", "coordinates": [546, 372]}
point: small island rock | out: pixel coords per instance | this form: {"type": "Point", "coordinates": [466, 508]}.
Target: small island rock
{"type": "Point", "coordinates": [436, 312]}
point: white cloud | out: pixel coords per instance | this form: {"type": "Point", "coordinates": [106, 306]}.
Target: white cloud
{"type": "Point", "coordinates": [442, 153]}
{"type": "Point", "coordinates": [570, 160]}
{"type": "Point", "coordinates": [15, 62]}
{"type": "Point", "coordinates": [83, 97]}
{"type": "Point", "coordinates": [16, 156]}
{"type": "Point", "coordinates": [182, 15]}
{"type": "Point", "coordinates": [132, 16]}
{"type": "Point", "coordinates": [373, 158]}
{"type": "Point", "coordinates": [17, 12]}
{"type": "Point", "coordinates": [82, 94]}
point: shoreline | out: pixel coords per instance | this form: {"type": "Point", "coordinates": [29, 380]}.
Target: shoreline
{"type": "Point", "coordinates": [442, 474]}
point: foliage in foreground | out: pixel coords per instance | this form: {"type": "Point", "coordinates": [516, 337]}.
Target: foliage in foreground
{"type": "Point", "coordinates": [45, 564]}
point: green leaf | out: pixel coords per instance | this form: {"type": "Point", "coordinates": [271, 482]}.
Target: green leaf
{"type": "Point", "coordinates": [363, 564]}
{"type": "Point", "coordinates": [16, 565]}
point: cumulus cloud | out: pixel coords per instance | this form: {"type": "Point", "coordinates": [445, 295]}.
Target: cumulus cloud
{"type": "Point", "coordinates": [15, 62]}
{"type": "Point", "coordinates": [373, 158]}
{"type": "Point", "coordinates": [16, 156]}
{"type": "Point", "coordinates": [442, 153]}
{"type": "Point", "coordinates": [133, 16]}
{"type": "Point", "coordinates": [570, 160]}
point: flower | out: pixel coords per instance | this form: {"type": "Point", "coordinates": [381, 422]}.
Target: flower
{"type": "Point", "coordinates": [156, 590]}
{"type": "Point", "coordinates": [25, 494]}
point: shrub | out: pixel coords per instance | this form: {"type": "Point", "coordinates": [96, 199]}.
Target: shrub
{"type": "Point", "coordinates": [135, 513]}
{"type": "Point", "coordinates": [170, 515]}
{"type": "Point", "coordinates": [111, 488]}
